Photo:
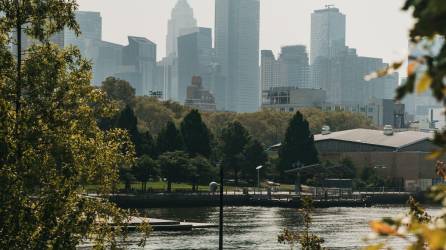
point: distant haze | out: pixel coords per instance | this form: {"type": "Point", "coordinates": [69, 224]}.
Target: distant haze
{"type": "Point", "coordinates": [376, 28]}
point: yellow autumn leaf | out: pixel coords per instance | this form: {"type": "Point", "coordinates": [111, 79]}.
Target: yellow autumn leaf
{"type": "Point", "coordinates": [424, 83]}
{"type": "Point", "coordinates": [436, 239]}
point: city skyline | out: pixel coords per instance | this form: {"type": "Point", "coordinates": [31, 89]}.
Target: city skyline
{"type": "Point", "coordinates": [392, 23]}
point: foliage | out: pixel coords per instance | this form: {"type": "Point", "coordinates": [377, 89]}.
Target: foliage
{"type": "Point", "coordinates": [203, 171]}
{"type": "Point", "coordinates": [196, 135]}
{"type": "Point", "coordinates": [255, 156]}
{"type": "Point", "coordinates": [148, 145]}
{"type": "Point", "coordinates": [42, 202]}
{"type": "Point", "coordinates": [234, 138]}
{"type": "Point", "coordinates": [152, 115]}
{"type": "Point", "coordinates": [145, 169]}
{"type": "Point", "coordinates": [305, 238]}
{"type": "Point", "coordinates": [169, 139]}
{"type": "Point", "coordinates": [298, 145]}
{"type": "Point", "coordinates": [127, 121]}
{"type": "Point", "coordinates": [119, 90]}
{"type": "Point", "coordinates": [175, 167]}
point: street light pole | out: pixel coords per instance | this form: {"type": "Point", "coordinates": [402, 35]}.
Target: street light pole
{"type": "Point", "coordinates": [220, 234]}
{"type": "Point", "coordinates": [258, 175]}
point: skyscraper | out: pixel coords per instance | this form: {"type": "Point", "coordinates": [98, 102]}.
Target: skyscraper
{"type": "Point", "coordinates": [139, 65]}
{"type": "Point", "coordinates": [270, 71]}
{"type": "Point", "coordinates": [194, 59]}
{"type": "Point", "coordinates": [237, 51]}
{"type": "Point", "coordinates": [327, 41]}
{"type": "Point", "coordinates": [90, 24]}
{"type": "Point", "coordinates": [181, 21]}
{"type": "Point", "coordinates": [294, 68]}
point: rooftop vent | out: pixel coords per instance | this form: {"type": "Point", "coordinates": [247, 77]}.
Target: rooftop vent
{"type": "Point", "coordinates": [325, 130]}
{"type": "Point", "coordinates": [388, 130]}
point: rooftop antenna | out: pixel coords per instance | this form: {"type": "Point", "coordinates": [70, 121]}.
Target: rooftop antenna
{"type": "Point", "coordinates": [329, 6]}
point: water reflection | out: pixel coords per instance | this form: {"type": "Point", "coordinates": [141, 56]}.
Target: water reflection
{"type": "Point", "coordinates": [257, 228]}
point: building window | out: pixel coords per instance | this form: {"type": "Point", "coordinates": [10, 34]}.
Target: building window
{"type": "Point", "coordinates": [291, 109]}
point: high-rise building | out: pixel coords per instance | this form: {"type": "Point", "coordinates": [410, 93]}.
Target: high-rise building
{"type": "Point", "coordinates": [194, 59]}
{"type": "Point", "coordinates": [181, 21]}
{"type": "Point", "coordinates": [107, 60]}
{"type": "Point", "coordinates": [328, 30]}
{"type": "Point", "coordinates": [139, 65]}
{"type": "Point", "coordinates": [237, 51]}
{"type": "Point", "coordinates": [294, 67]}
{"type": "Point", "coordinates": [90, 24]}
{"type": "Point", "coordinates": [270, 71]}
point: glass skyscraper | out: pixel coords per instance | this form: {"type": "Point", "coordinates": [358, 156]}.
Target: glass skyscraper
{"type": "Point", "coordinates": [237, 51]}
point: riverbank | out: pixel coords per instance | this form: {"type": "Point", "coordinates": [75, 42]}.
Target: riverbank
{"type": "Point", "coordinates": [170, 200]}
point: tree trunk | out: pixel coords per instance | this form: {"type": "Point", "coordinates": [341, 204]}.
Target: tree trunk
{"type": "Point", "coordinates": [18, 86]}
{"type": "Point", "coordinates": [169, 186]}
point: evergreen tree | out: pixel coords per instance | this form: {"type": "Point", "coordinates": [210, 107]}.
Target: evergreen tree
{"type": "Point", "coordinates": [255, 156]}
{"type": "Point", "coordinates": [148, 146]}
{"type": "Point", "coordinates": [234, 138]}
{"type": "Point", "coordinates": [298, 145]}
{"type": "Point", "coordinates": [196, 135]}
{"type": "Point", "coordinates": [169, 139]}
{"type": "Point", "coordinates": [128, 121]}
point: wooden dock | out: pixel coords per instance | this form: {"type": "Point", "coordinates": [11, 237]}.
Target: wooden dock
{"type": "Point", "coordinates": [167, 225]}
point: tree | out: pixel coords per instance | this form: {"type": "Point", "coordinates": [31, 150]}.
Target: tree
{"type": "Point", "coordinates": [298, 145]}
{"type": "Point", "coordinates": [169, 139]}
{"type": "Point", "coordinates": [51, 144]}
{"type": "Point", "coordinates": [119, 90]}
{"type": "Point", "coordinates": [145, 169]}
{"type": "Point", "coordinates": [148, 146]}
{"type": "Point", "coordinates": [255, 156]}
{"type": "Point", "coordinates": [234, 138]}
{"type": "Point", "coordinates": [203, 171]}
{"type": "Point", "coordinates": [128, 121]}
{"type": "Point", "coordinates": [175, 167]}
{"type": "Point", "coordinates": [196, 136]}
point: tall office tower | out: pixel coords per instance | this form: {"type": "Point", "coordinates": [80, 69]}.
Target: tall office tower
{"type": "Point", "coordinates": [294, 68]}
{"type": "Point", "coordinates": [182, 19]}
{"type": "Point", "coordinates": [237, 51]}
{"type": "Point", "coordinates": [194, 59]}
{"type": "Point", "coordinates": [139, 65]}
{"type": "Point", "coordinates": [90, 24]}
{"type": "Point", "coordinates": [270, 71]}
{"type": "Point", "coordinates": [108, 60]}
{"type": "Point", "coordinates": [327, 41]}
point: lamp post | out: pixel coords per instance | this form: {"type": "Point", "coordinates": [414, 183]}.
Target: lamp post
{"type": "Point", "coordinates": [220, 225]}
{"type": "Point", "coordinates": [258, 175]}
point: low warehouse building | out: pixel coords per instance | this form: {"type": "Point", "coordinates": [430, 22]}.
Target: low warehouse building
{"type": "Point", "coordinates": [400, 156]}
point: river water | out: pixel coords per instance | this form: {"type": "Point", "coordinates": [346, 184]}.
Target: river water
{"type": "Point", "coordinates": [257, 228]}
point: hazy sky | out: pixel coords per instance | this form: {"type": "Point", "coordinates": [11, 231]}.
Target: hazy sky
{"type": "Point", "coordinates": [376, 28]}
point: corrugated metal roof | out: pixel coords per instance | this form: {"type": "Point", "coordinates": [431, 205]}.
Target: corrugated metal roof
{"type": "Point", "coordinates": [377, 137]}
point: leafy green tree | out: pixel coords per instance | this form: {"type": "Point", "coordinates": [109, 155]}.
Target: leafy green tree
{"type": "Point", "coordinates": [119, 90]}
{"type": "Point", "coordinates": [152, 115]}
{"type": "Point", "coordinates": [169, 139]}
{"type": "Point", "coordinates": [128, 121]}
{"type": "Point", "coordinates": [175, 167]}
{"type": "Point", "coordinates": [255, 156]}
{"type": "Point", "coordinates": [298, 145]}
{"type": "Point", "coordinates": [234, 138]}
{"type": "Point", "coordinates": [203, 171]}
{"type": "Point", "coordinates": [51, 144]}
{"type": "Point", "coordinates": [197, 139]}
{"type": "Point", "coordinates": [145, 169]}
